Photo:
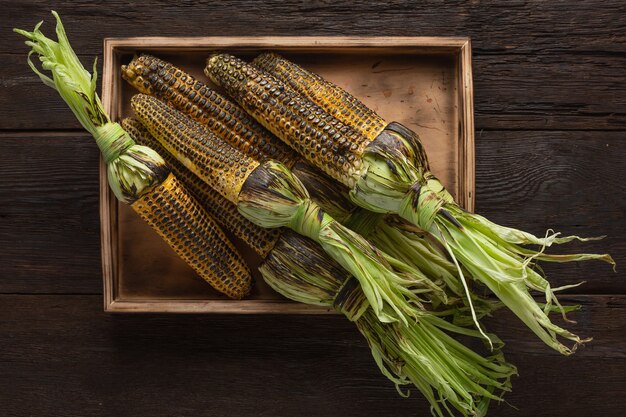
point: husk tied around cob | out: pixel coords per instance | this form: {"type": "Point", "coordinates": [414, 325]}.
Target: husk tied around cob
{"type": "Point", "coordinates": [269, 195]}
{"type": "Point", "coordinates": [388, 172]}
{"type": "Point", "coordinates": [397, 178]}
{"type": "Point", "coordinates": [137, 174]}
{"type": "Point", "coordinates": [413, 246]}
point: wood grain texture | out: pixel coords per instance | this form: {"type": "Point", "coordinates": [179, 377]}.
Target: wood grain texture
{"type": "Point", "coordinates": [49, 224]}
{"type": "Point", "coordinates": [550, 91]}
{"type": "Point", "coordinates": [514, 27]}
{"type": "Point", "coordinates": [547, 92]}
{"type": "Point", "coordinates": [540, 69]}
{"type": "Point", "coordinates": [539, 65]}
{"type": "Point", "coordinates": [572, 182]}
{"type": "Point", "coordinates": [75, 360]}
{"type": "Point", "coordinates": [25, 102]}
{"type": "Point", "coordinates": [49, 232]}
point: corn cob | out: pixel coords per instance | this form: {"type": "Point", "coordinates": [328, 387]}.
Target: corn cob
{"type": "Point", "coordinates": [342, 105]}
{"type": "Point", "coordinates": [271, 196]}
{"type": "Point", "coordinates": [392, 175]}
{"type": "Point", "coordinates": [182, 222]}
{"type": "Point", "coordinates": [336, 101]}
{"type": "Point", "coordinates": [225, 213]}
{"type": "Point", "coordinates": [139, 176]}
{"type": "Point", "coordinates": [153, 76]}
{"type": "Point", "coordinates": [226, 168]}
{"type": "Point", "coordinates": [320, 138]}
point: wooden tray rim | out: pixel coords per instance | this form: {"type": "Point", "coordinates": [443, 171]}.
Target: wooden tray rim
{"type": "Point", "coordinates": [461, 46]}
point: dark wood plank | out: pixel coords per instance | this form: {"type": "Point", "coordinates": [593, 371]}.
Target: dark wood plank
{"type": "Point", "coordinates": [520, 26]}
{"type": "Point", "coordinates": [570, 181]}
{"type": "Point", "coordinates": [568, 78]}
{"type": "Point", "coordinates": [49, 224]}
{"type": "Point", "coordinates": [28, 104]}
{"type": "Point", "coordinates": [547, 92]}
{"type": "Point", "coordinates": [72, 359]}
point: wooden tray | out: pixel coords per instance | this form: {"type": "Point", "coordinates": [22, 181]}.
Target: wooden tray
{"type": "Point", "coordinates": [423, 83]}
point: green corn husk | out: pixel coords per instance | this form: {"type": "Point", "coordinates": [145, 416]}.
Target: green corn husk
{"type": "Point", "coordinates": [453, 378]}
{"type": "Point", "coordinates": [402, 241]}
{"type": "Point", "coordinates": [131, 169]}
{"type": "Point", "coordinates": [396, 179]}
{"type": "Point", "coordinates": [415, 246]}
{"type": "Point", "coordinates": [274, 197]}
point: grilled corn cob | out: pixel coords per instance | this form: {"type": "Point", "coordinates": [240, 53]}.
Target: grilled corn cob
{"type": "Point", "coordinates": [336, 101]}
{"type": "Point", "coordinates": [270, 196]}
{"type": "Point", "coordinates": [225, 213]}
{"type": "Point", "coordinates": [139, 176]}
{"type": "Point", "coordinates": [313, 133]}
{"type": "Point", "coordinates": [389, 173]}
{"type": "Point", "coordinates": [153, 76]}
{"type": "Point", "coordinates": [187, 228]}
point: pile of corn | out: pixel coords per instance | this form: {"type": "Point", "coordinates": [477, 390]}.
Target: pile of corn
{"type": "Point", "coordinates": [340, 204]}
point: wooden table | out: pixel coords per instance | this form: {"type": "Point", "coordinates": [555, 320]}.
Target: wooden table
{"type": "Point", "coordinates": [551, 152]}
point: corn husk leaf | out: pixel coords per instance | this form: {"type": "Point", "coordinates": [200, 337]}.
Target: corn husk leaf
{"type": "Point", "coordinates": [396, 179]}
{"type": "Point", "coordinates": [131, 169]}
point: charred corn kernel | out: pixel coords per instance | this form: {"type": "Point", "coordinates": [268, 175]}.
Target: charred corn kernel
{"type": "Point", "coordinates": [153, 76]}
{"type": "Point", "coordinates": [335, 100]}
{"type": "Point", "coordinates": [195, 237]}
{"type": "Point", "coordinates": [306, 127]}
{"type": "Point", "coordinates": [224, 118]}
{"type": "Point", "coordinates": [260, 239]}
{"type": "Point", "coordinates": [300, 270]}
{"type": "Point", "coordinates": [224, 167]}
